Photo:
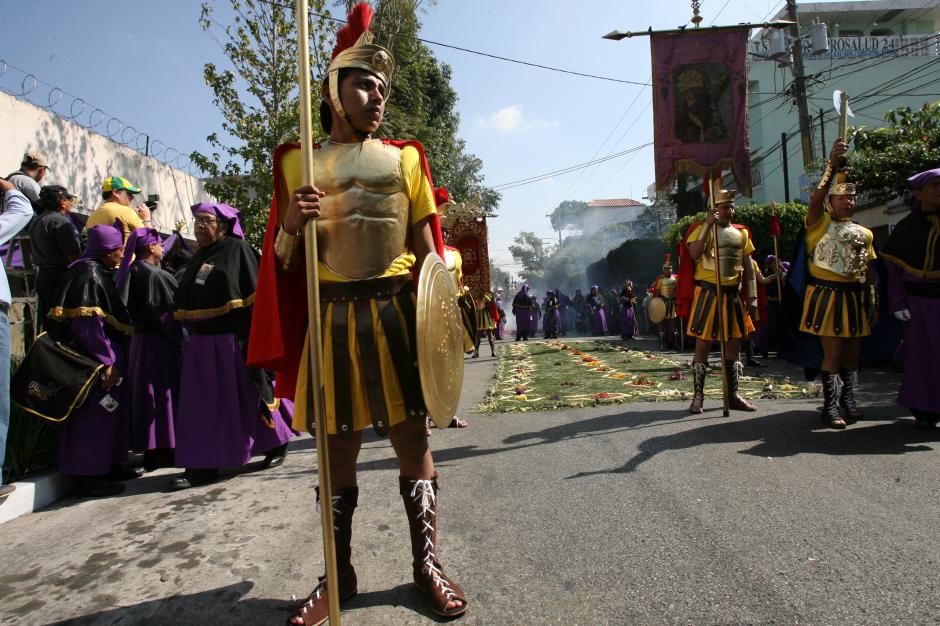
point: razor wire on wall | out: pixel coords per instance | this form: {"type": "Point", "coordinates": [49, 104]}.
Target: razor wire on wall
{"type": "Point", "coordinates": [26, 86]}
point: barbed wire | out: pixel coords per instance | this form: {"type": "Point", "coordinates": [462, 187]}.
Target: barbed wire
{"type": "Point", "coordinates": [27, 87]}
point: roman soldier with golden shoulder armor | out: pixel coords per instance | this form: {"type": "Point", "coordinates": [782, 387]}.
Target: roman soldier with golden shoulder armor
{"type": "Point", "coordinates": [377, 224]}
{"type": "Point", "coordinates": [841, 300]}
{"type": "Point", "coordinates": [736, 273]}
{"type": "Point", "coordinates": [661, 308]}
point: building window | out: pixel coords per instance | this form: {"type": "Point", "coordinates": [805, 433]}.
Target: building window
{"type": "Point", "coordinates": [882, 32]}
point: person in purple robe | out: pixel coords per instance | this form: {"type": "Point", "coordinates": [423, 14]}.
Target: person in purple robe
{"type": "Point", "coordinates": [581, 312]}
{"type": "Point", "coordinates": [612, 301]}
{"type": "Point", "coordinates": [93, 442]}
{"type": "Point", "coordinates": [912, 254]}
{"type": "Point", "coordinates": [154, 357]}
{"type": "Point", "coordinates": [522, 309]}
{"type": "Point", "coordinates": [563, 302]}
{"type": "Point", "coordinates": [627, 313]}
{"type": "Point", "coordinates": [552, 315]}
{"type": "Point", "coordinates": [227, 412]}
{"type": "Point", "coordinates": [536, 315]}
{"type": "Point", "coordinates": [596, 305]}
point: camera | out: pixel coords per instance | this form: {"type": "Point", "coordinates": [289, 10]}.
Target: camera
{"type": "Point", "coordinates": [152, 201]}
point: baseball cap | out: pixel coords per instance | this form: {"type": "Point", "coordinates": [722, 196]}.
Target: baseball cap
{"type": "Point", "coordinates": [116, 182]}
{"type": "Point", "coordinates": [55, 192]}
{"type": "Point", "coordinates": [35, 158]}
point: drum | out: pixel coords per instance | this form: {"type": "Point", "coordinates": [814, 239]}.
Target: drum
{"type": "Point", "coordinates": [656, 309]}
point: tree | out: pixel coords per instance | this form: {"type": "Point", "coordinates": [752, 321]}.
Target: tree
{"type": "Point", "coordinates": [501, 278]}
{"type": "Point", "coordinates": [528, 250]}
{"type": "Point", "coordinates": [569, 214]}
{"type": "Point", "coordinates": [757, 218]}
{"type": "Point", "coordinates": [422, 104]}
{"type": "Point", "coordinates": [884, 158]}
{"type": "Point", "coordinates": [258, 99]}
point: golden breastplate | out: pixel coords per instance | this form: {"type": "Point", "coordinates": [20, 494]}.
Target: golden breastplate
{"type": "Point", "coordinates": [843, 250]}
{"type": "Point", "coordinates": [363, 225]}
{"type": "Point", "coordinates": [667, 287]}
{"type": "Point", "coordinates": [730, 243]}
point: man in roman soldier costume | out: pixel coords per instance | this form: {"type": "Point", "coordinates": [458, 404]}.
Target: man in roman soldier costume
{"type": "Point", "coordinates": [453, 261]}
{"type": "Point", "coordinates": [487, 321]}
{"type": "Point", "coordinates": [377, 224]}
{"type": "Point", "coordinates": [664, 288]}
{"type": "Point", "coordinates": [912, 254]}
{"type": "Point", "coordinates": [841, 299]}
{"type": "Point", "coordinates": [734, 255]}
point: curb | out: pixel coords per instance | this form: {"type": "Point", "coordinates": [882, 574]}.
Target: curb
{"type": "Point", "coordinates": [34, 493]}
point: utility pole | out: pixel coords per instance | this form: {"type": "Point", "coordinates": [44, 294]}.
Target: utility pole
{"type": "Point", "coordinates": [786, 167]}
{"type": "Point", "coordinates": [799, 86]}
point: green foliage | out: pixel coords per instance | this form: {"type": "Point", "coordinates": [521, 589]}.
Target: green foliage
{"type": "Point", "coordinates": [422, 104]}
{"type": "Point", "coordinates": [639, 260]}
{"type": "Point", "coordinates": [258, 99]}
{"type": "Point", "coordinates": [884, 158]}
{"type": "Point", "coordinates": [31, 443]}
{"type": "Point", "coordinates": [569, 214]}
{"type": "Point", "coordinates": [757, 218]}
{"type": "Point", "coordinates": [528, 250]}
{"type": "Point", "coordinates": [500, 278]}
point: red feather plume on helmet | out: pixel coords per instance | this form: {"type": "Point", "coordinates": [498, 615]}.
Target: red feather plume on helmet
{"type": "Point", "coordinates": [357, 22]}
{"type": "Point", "coordinates": [441, 196]}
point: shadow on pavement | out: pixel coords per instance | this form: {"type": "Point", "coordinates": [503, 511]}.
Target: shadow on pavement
{"type": "Point", "coordinates": [222, 605]}
{"type": "Point", "coordinates": [792, 433]}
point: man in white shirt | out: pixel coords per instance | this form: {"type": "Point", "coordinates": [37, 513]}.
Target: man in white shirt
{"type": "Point", "coordinates": [16, 215]}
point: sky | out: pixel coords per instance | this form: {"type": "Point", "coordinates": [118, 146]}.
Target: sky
{"type": "Point", "coordinates": [141, 61]}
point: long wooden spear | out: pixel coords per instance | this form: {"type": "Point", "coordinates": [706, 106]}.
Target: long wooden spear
{"type": "Point", "coordinates": [314, 367]}
{"type": "Point", "coordinates": [726, 408]}
{"type": "Point", "coordinates": [775, 233]}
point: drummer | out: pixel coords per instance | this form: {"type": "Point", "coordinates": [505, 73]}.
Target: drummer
{"type": "Point", "coordinates": [661, 309]}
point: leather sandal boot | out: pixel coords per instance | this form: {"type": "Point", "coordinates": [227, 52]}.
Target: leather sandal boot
{"type": "Point", "coordinates": [830, 412]}
{"type": "Point", "coordinates": [736, 401]}
{"type": "Point", "coordinates": [847, 396]}
{"type": "Point", "coordinates": [420, 498]}
{"type": "Point", "coordinates": [699, 371]}
{"type": "Point", "coordinates": [315, 609]}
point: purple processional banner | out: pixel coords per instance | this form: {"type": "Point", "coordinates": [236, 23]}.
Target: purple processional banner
{"type": "Point", "coordinates": [700, 105]}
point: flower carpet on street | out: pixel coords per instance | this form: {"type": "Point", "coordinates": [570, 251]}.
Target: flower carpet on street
{"type": "Point", "coordinates": [552, 374]}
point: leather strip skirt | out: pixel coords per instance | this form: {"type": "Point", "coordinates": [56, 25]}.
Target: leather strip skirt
{"type": "Point", "coordinates": [834, 309]}
{"type": "Point", "coordinates": [703, 321]}
{"type": "Point", "coordinates": [370, 367]}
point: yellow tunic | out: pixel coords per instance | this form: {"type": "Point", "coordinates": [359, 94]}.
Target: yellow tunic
{"type": "Point", "coordinates": [421, 205]}
{"type": "Point", "coordinates": [703, 320]}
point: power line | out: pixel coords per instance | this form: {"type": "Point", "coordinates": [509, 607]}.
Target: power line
{"type": "Point", "coordinates": [566, 170]}
{"type": "Point", "coordinates": [470, 51]}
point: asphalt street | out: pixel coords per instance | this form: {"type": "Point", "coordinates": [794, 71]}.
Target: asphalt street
{"type": "Point", "coordinates": [619, 514]}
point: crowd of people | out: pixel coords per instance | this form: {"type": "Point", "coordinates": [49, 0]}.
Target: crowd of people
{"type": "Point", "coordinates": [170, 331]}
{"type": "Point", "coordinates": [600, 313]}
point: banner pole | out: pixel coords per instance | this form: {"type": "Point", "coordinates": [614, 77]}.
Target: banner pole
{"type": "Point", "coordinates": [720, 317]}
{"type": "Point", "coordinates": [314, 367]}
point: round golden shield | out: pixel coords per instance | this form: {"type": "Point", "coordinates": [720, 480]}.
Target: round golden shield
{"type": "Point", "coordinates": [656, 309]}
{"type": "Point", "coordinates": [439, 341]}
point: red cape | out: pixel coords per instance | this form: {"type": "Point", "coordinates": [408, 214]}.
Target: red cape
{"type": "Point", "coordinates": [279, 319]}
{"type": "Point", "coordinates": [685, 290]}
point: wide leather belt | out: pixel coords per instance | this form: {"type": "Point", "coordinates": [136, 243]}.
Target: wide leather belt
{"type": "Point", "coordinates": [365, 289]}
{"type": "Point", "coordinates": [836, 285]}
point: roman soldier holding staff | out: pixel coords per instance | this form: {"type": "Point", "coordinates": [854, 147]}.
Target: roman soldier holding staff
{"type": "Point", "coordinates": [841, 300]}
{"type": "Point", "coordinates": [377, 223]}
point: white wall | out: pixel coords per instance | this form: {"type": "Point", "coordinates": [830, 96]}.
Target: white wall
{"type": "Point", "coordinates": [81, 159]}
